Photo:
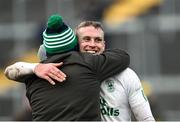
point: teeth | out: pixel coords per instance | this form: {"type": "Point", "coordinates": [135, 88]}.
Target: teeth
{"type": "Point", "coordinates": [91, 51]}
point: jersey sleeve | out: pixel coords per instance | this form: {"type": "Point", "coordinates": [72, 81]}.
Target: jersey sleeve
{"type": "Point", "coordinates": [137, 99]}
{"type": "Point", "coordinates": [109, 63]}
{"type": "Point", "coordinates": [19, 70]}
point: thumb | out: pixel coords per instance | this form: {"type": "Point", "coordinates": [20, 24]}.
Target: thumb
{"type": "Point", "coordinates": [58, 64]}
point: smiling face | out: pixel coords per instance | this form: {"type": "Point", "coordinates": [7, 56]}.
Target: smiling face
{"type": "Point", "coordinates": [91, 39]}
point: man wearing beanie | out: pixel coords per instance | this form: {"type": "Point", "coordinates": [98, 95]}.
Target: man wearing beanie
{"type": "Point", "coordinates": [58, 37]}
{"type": "Point", "coordinates": [77, 98]}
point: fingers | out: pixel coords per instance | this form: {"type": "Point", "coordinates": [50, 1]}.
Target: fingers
{"type": "Point", "coordinates": [49, 80]}
{"type": "Point", "coordinates": [50, 72]}
{"type": "Point", "coordinates": [56, 77]}
{"type": "Point", "coordinates": [55, 74]}
{"type": "Point", "coordinates": [58, 72]}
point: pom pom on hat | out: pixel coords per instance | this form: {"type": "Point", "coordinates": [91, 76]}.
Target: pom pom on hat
{"type": "Point", "coordinates": [58, 37]}
{"type": "Point", "coordinates": [55, 22]}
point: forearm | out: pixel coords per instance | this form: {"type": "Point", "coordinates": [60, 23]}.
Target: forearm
{"type": "Point", "coordinates": [143, 112]}
{"type": "Point", "coordinates": [116, 61]}
{"type": "Point", "coordinates": [19, 69]}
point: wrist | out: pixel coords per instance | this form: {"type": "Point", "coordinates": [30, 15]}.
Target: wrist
{"type": "Point", "coordinates": [34, 66]}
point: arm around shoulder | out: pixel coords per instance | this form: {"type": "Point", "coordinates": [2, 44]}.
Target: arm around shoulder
{"type": "Point", "coordinates": [112, 62]}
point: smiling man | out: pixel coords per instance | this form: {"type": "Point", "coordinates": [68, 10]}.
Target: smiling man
{"type": "Point", "coordinates": [77, 98]}
{"type": "Point", "coordinates": [120, 94]}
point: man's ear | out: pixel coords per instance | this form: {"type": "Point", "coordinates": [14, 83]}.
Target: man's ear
{"type": "Point", "coordinates": [104, 45]}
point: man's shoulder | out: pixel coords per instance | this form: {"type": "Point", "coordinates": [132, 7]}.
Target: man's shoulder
{"type": "Point", "coordinates": [127, 76]}
{"type": "Point", "coordinates": [127, 72]}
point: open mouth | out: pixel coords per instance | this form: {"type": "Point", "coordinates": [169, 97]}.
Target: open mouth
{"type": "Point", "coordinates": [91, 51]}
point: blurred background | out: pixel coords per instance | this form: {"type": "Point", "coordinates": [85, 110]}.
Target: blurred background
{"type": "Point", "coordinates": [149, 30]}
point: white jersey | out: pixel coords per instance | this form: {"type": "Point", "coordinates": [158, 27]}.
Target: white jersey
{"type": "Point", "coordinates": [121, 94]}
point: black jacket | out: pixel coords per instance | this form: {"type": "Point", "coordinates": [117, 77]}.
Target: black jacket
{"type": "Point", "coordinates": [77, 98]}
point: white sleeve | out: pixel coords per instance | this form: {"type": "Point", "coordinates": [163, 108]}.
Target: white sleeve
{"type": "Point", "coordinates": [143, 112]}
{"type": "Point", "coordinates": [137, 99]}
{"type": "Point", "coordinates": [13, 72]}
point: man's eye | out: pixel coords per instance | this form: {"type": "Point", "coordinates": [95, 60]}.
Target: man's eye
{"type": "Point", "coordinates": [86, 39]}
{"type": "Point", "coordinates": [98, 40]}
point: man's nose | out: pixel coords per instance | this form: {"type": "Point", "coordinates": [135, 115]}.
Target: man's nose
{"type": "Point", "coordinates": [92, 42]}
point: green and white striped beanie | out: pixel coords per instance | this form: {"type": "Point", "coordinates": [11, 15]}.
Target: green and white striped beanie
{"type": "Point", "coordinates": [58, 37]}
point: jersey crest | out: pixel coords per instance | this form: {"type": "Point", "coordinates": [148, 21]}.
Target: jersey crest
{"type": "Point", "coordinates": [110, 85]}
